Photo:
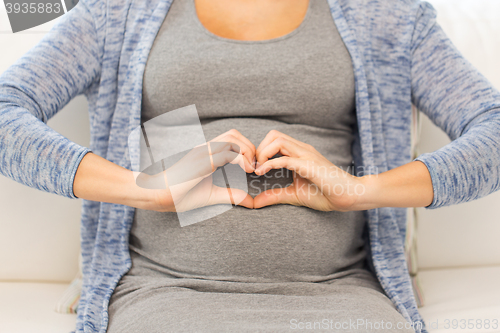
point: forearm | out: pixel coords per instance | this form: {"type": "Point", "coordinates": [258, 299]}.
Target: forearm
{"type": "Point", "coordinates": [409, 185]}
{"type": "Point", "coordinates": [64, 64]}
{"type": "Point", "coordinates": [98, 179]}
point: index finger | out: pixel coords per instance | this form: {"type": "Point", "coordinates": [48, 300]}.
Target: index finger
{"type": "Point", "coordinates": [273, 135]}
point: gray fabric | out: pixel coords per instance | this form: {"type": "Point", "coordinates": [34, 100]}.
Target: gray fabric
{"type": "Point", "coordinates": [352, 301]}
{"type": "Point", "coordinates": [305, 77]}
{"type": "Point", "coordinates": [262, 266]}
{"type": "Point", "coordinates": [275, 243]}
{"type": "Point", "coordinates": [300, 84]}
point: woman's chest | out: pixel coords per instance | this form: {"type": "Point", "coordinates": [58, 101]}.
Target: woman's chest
{"type": "Point", "coordinates": [303, 78]}
{"type": "Point", "coordinates": [251, 20]}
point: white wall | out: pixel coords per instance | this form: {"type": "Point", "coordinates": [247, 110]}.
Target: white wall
{"type": "Point", "coordinates": [40, 232]}
{"type": "Point", "coordinates": [465, 234]}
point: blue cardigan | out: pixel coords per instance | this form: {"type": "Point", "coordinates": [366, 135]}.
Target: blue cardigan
{"type": "Point", "coordinates": [399, 54]}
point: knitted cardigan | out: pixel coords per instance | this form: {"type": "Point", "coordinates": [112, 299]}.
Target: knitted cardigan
{"type": "Point", "coordinates": [400, 57]}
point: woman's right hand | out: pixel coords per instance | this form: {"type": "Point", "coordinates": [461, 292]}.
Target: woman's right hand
{"type": "Point", "coordinates": [189, 182]}
{"type": "Point", "coordinates": [98, 179]}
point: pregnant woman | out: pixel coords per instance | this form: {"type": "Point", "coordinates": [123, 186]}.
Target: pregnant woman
{"type": "Point", "coordinates": [294, 86]}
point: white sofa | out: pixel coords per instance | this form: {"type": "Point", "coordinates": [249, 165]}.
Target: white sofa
{"type": "Point", "coordinates": [459, 256]}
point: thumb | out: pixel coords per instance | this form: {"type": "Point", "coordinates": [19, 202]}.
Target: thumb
{"type": "Point", "coordinates": [223, 195]}
{"type": "Point", "coordinates": [285, 195]}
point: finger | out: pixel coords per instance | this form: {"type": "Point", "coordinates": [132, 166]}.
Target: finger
{"type": "Point", "coordinates": [294, 164]}
{"type": "Point", "coordinates": [240, 137]}
{"type": "Point", "coordinates": [280, 145]}
{"type": "Point", "coordinates": [198, 163]}
{"type": "Point", "coordinates": [276, 196]}
{"type": "Point", "coordinates": [219, 146]}
{"type": "Point", "coordinates": [222, 195]}
{"type": "Point", "coordinates": [226, 157]}
{"type": "Point", "coordinates": [273, 135]}
{"type": "Point", "coordinates": [235, 144]}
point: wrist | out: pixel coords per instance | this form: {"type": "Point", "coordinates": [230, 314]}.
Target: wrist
{"type": "Point", "coordinates": [136, 196]}
{"type": "Point", "coordinates": [409, 185]}
{"type": "Point", "coordinates": [98, 179]}
{"type": "Point", "coordinates": [367, 193]}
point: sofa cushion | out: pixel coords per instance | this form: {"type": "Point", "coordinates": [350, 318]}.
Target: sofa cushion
{"type": "Point", "coordinates": [471, 293]}
{"type": "Point", "coordinates": [30, 307]}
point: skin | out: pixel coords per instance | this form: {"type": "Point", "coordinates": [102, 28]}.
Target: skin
{"type": "Point", "coordinates": [251, 19]}
{"type": "Point", "coordinates": [318, 183]}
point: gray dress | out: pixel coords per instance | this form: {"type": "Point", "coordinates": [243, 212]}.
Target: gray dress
{"type": "Point", "coordinates": [274, 269]}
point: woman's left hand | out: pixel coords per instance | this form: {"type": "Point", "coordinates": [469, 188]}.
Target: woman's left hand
{"type": "Point", "coordinates": [318, 183]}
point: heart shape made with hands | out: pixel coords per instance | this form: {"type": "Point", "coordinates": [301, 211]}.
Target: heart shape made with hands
{"type": "Point", "coordinates": [316, 183]}
{"type": "Point", "coordinates": [312, 181]}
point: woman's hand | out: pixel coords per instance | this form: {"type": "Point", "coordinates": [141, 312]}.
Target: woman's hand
{"type": "Point", "coordinates": [189, 182]}
{"type": "Point", "coordinates": [98, 179]}
{"type": "Point", "coordinates": [318, 183]}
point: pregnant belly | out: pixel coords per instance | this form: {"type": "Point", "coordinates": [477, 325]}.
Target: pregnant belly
{"type": "Point", "coordinates": [282, 242]}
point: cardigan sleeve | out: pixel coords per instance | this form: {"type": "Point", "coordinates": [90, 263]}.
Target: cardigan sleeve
{"type": "Point", "coordinates": [61, 66]}
{"type": "Point", "coordinates": [462, 102]}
